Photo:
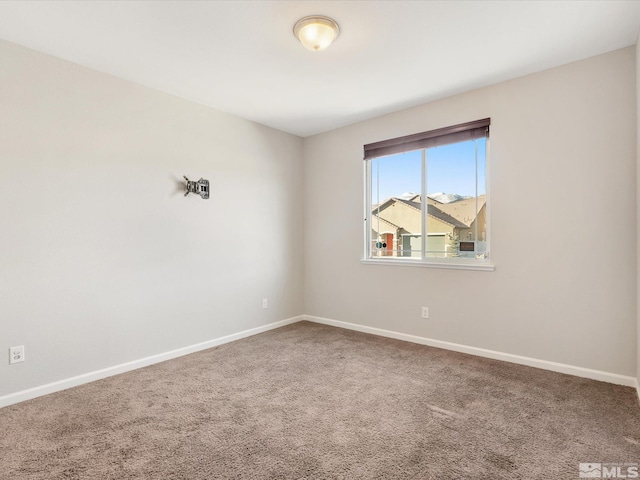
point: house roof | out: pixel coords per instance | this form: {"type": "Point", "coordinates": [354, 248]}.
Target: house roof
{"type": "Point", "coordinates": [465, 211]}
{"type": "Point", "coordinates": [435, 212]}
{"type": "Point", "coordinates": [432, 210]}
{"type": "Point", "coordinates": [444, 217]}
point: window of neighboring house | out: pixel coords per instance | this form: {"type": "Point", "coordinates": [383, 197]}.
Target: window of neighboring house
{"type": "Point", "coordinates": [426, 197]}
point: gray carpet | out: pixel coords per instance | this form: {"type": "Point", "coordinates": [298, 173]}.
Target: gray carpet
{"type": "Point", "coordinates": [311, 401]}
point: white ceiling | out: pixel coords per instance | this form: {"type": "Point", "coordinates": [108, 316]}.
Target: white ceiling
{"type": "Point", "coordinates": [241, 56]}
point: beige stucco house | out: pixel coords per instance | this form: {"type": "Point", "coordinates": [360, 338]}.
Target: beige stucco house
{"type": "Point", "coordinates": [396, 227]}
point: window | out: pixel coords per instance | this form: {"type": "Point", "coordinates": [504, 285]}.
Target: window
{"type": "Point", "coordinates": [426, 197]}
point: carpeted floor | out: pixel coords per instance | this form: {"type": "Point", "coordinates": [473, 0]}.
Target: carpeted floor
{"type": "Point", "coordinates": [311, 401]}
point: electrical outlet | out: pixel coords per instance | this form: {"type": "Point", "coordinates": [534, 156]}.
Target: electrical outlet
{"type": "Point", "coordinates": [16, 354]}
{"type": "Point", "coordinates": [425, 312]}
{"type": "Point", "coordinates": [265, 303]}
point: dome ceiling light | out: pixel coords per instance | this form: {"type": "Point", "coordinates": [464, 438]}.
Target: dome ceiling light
{"type": "Point", "coordinates": [316, 32]}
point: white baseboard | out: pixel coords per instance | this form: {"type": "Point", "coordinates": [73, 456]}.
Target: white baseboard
{"type": "Point", "coordinates": [41, 390]}
{"type": "Point", "coordinates": [481, 352]}
{"type": "Point", "coordinates": [143, 362]}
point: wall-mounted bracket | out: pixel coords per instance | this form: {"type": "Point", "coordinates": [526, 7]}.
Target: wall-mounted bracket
{"type": "Point", "coordinates": [201, 187]}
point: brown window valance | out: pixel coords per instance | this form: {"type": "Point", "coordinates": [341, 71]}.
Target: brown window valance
{"type": "Point", "coordinates": [441, 136]}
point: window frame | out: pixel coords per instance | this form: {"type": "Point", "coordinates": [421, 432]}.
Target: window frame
{"type": "Point", "coordinates": [421, 141]}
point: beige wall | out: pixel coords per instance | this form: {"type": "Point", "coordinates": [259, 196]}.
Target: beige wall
{"type": "Point", "coordinates": [481, 219]}
{"type": "Point", "coordinates": [638, 206]}
{"type": "Point", "coordinates": [563, 143]}
{"type": "Point", "coordinates": [103, 260]}
{"type": "Point", "coordinates": [436, 226]}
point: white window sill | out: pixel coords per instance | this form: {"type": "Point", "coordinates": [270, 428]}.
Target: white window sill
{"type": "Point", "coordinates": [481, 265]}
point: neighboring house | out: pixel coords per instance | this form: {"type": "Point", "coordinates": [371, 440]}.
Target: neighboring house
{"type": "Point", "coordinates": [468, 211]}
{"type": "Point", "coordinates": [396, 225]}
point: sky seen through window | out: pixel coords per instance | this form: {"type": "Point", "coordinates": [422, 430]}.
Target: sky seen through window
{"type": "Point", "coordinates": [450, 169]}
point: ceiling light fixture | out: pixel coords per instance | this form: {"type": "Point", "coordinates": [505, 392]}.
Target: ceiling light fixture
{"type": "Point", "coordinates": [316, 32]}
